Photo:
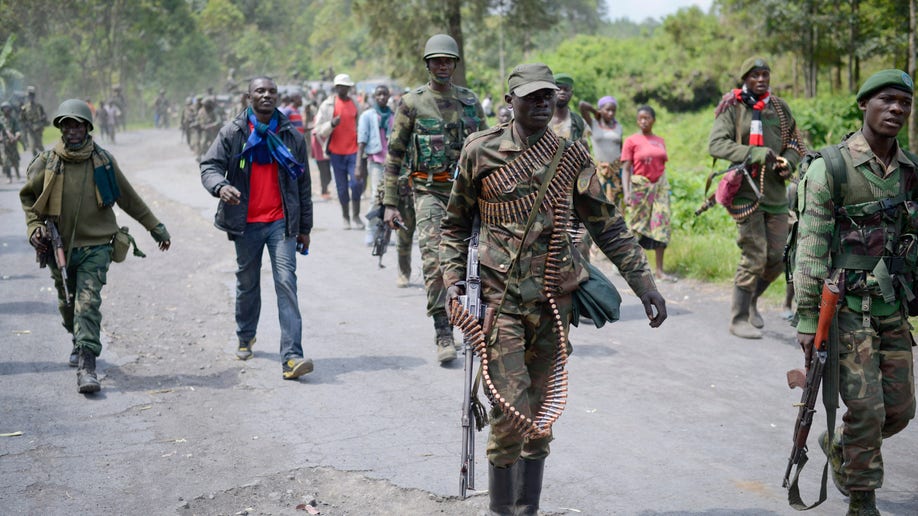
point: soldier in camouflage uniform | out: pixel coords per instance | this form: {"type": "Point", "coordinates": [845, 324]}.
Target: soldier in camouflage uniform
{"type": "Point", "coordinates": [879, 227]}
{"type": "Point", "coordinates": [9, 136]}
{"type": "Point", "coordinates": [566, 123]}
{"type": "Point", "coordinates": [209, 120]}
{"type": "Point", "coordinates": [33, 119]}
{"type": "Point", "coordinates": [751, 124]}
{"type": "Point", "coordinates": [500, 172]}
{"type": "Point", "coordinates": [430, 125]}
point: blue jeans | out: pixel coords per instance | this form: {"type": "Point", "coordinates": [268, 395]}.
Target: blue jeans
{"type": "Point", "coordinates": [282, 250]}
{"type": "Point", "coordinates": [343, 166]}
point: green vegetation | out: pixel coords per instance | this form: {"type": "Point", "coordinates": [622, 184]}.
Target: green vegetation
{"type": "Point", "coordinates": [819, 51]}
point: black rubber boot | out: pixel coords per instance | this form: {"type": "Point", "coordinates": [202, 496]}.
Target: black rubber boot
{"type": "Point", "coordinates": [500, 489]}
{"type": "Point", "coordinates": [739, 315]}
{"type": "Point", "coordinates": [446, 347]}
{"type": "Point", "coordinates": [529, 486]}
{"type": "Point", "coordinates": [346, 216]}
{"type": "Point", "coordinates": [755, 318]}
{"type": "Point", "coordinates": [87, 382]}
{"type": "Point", "coordinates": [355, 214]}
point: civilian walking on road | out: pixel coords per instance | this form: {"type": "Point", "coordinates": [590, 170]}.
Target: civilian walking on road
{"type": "Point", "coordinates": [74, 186]}
{"type": "Point", "coordinates": [265, 201]}
{"type": "Point", "coordinates": [336, 124]}
{"type": "Point", "coordinates": [525, 346]}
{"type": "Point", "coordinates": [373, 130]}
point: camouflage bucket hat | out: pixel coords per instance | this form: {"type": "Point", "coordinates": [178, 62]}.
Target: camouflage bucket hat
{"type": "Point", "coordinates": [527, 78]}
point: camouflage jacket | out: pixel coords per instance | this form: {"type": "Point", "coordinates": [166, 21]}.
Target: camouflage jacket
{"type": "Point", "coordinates": [32, 115]}
{"type": "Point", "coordinates": [860, 234]}
{"type": "Point", "coordinates": [428, 131]}
{"type": "Point", "coordinates": [723, 144]}
{"type": "Point", "coordinates": [488, 153]}
{"type": "Point", "coordinates": [209, 121]}
{"type": "Point", "coordinates": [10, 129]}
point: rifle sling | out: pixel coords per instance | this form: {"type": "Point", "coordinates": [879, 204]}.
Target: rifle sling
{"type": "Point", "coordinates": [830, 403]}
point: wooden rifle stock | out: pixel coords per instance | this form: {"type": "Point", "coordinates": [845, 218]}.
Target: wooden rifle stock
{"type": "Point", "coordinates": [815, 370]}
{"type": "Point", "coordinates": [60, 259]}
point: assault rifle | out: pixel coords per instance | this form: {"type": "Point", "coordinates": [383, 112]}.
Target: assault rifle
{"type": "Point", "coordinates": [471, 422]}
{"type": "Point", "coordinates": [56, 252]}
{"type": "Point", "coordinates": [814, 376]}
{"type": "Point", "coordinates": [383, 233]}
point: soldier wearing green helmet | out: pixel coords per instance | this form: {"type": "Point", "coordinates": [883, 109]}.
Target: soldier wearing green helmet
{"type": "Point", "coordinates": [74, 187]}
{"type": "Point", "coordinates": [430, 127]}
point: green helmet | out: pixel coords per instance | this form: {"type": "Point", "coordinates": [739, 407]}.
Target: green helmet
{"type": "Point", "coordinates": [441, 45]}
{"type": "Point", "coordinates": [73, 108]}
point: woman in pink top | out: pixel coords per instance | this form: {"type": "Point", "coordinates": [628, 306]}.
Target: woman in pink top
{"type": "Point", "coordinates": [645, 188]}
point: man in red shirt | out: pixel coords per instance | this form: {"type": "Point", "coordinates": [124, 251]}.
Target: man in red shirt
{"type": "Point", "coordinates": [265, 201]}
{"type": "Point", "coordinates": [336, 124]}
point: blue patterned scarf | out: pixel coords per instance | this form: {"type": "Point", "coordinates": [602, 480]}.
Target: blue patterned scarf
{"type": "Point", "coordinates": [264, 146]}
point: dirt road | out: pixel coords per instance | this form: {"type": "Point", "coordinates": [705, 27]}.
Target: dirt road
{"type": "Point", "coordinates": [681, 420]}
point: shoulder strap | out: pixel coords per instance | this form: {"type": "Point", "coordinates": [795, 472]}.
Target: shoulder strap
{"type": "Point", "coordinates": [835, 165]}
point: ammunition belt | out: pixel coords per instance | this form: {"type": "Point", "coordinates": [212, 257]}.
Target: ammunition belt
{"type": "Point", "coordinates": [558, 198]}
{"type": "Point", "coordinates": [520, 169]}
{"type": "Point", "coordinates": [437, 177]}
{"type": "Point", "coordinates": [508, 212]}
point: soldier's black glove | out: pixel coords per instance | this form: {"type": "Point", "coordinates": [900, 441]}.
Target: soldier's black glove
{"type": "Point", "coordinates": [653, 300]}
{"type": "Point", "coordinates": [161, 235]}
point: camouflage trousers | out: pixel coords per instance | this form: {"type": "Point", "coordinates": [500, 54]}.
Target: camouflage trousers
{"type": "Point", "coordinates": [761, 238]}
{"type": "Point", "coordinates": [430, 208]}
{"type": "Point", "coordinates": [404, 239]}
{"type": "Point", "coordinates": [10, 161]}
{"type": "Point", "coordinates": [520, 354]}
{"type": "Point", "coordinates": [33, 138]}
{"type": "Point", "coordinates": [877, 385]}
{"type": "Point", "coordinates": [87, 270]}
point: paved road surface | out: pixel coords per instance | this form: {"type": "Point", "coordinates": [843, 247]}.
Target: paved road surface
{"type": "Point", "coordinates": [681, 420]}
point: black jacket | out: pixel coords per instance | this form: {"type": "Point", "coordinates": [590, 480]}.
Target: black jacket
{"type": "Point", "coordinates": [220, 167]}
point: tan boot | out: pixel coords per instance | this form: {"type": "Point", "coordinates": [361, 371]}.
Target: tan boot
{"type": "Point", "coordinates": [446, 347]}
{"type": "Point", "coordinates": [404, 271]}
{"type": "Point", "coordinates": [739, 315]}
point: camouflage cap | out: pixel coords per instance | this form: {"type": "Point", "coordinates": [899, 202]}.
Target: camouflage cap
{"type": "Point", "coordinates": [564, 79]}
{"type": "Point", "coordinates": [751, 64]}
{"type": "Point", "coordinates": [891, 78]}
{"type": "Point", "coordinates": [30, 89]}
{"type": "Point", "coordinates": [527, 78]}
{"type": "Point", "coordinates": [5, 105]}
